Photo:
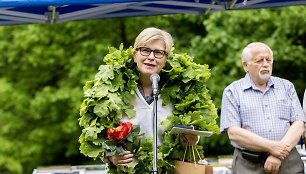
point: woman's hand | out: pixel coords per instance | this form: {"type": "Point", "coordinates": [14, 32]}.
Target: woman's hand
{"type": "Point", "coordinates": [122, 160]}
{"type": "Point", "coordinates": [189, 138]}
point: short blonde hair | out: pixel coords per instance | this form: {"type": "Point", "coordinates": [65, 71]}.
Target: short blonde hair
{"type": "Point", "coordinates": [152, 33]}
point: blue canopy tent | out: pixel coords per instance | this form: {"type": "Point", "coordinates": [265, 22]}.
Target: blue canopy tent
{"type": "Point", "coordinates": [14, 12]}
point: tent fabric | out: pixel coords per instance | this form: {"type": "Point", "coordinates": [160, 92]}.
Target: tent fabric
{"type": "Point", "coordinates": [14, 12]}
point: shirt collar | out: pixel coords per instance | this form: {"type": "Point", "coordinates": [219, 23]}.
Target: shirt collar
{"type": "Point", "coordinates": [248, 82]}
{"type": "Point", "coordinates": [271, 82]}
{"type": "Point", "coordinates": [148, 99]}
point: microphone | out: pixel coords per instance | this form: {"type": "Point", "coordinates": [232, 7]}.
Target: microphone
{"type": "Point", "coordinates": [154, 79]}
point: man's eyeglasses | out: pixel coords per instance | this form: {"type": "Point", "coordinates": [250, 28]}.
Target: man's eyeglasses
{"type": "Point", "coordinates": [147, 51]}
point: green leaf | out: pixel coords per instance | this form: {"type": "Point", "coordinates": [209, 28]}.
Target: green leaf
{"type": "Point", "coordinates": [188, 75]}
{"type": "Point", "coordinates": [129, 138]}
{"type": "Point", "coordinates": [120, 150]}
{"type": "Point", "coordinates": [91, 133]}
{"type": "Point", "coordinates": [114, 102]}
{"type": "Point", "coordinates": [133, 163]}
{"type": "Point", "coordinates": [105, 73]}
{"type": "Point", "coordinates": [128, 97]}
{"type": "Point", "coordinates": [100, 91]}
{"type": "Point", "coordinates": [129, 111]}
{"type": "Point", "coordinates": [101, 108]}
{"type": "Point", "coordinates": [118, 82]}
{"type": "Point", "coordinates": [109, 145]}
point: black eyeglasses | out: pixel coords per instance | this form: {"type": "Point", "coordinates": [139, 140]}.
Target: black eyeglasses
{"type": "Point", "coordinates": [147, 51]}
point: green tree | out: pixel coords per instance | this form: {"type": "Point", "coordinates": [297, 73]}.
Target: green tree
{"type": "Point", "coordinates": [43, 69]}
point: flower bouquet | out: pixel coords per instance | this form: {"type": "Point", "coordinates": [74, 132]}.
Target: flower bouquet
{"type": "Point", "coordinates": [124, 138]}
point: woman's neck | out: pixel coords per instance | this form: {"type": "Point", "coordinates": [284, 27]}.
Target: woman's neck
{"type": "Point", "coordinates": [146, 85]}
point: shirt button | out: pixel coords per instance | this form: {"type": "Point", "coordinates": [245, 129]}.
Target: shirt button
{"type": "Point", "coordinates": [270, 130]}
{"type": "Point", "coordinates": [268, 118]}
{"type": "Point", "coordinates": [266, 105]}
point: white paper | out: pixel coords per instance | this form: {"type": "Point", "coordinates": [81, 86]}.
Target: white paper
{"type": "Point", "coordinates": [176, 130]}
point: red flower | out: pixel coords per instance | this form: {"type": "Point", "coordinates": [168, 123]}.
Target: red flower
{"type": "Point", "coordinates": [128, 125]}
{"type": "Point", "coordinates": [111, 134]}
{"type": "Point", "coordinates": [120, 132]}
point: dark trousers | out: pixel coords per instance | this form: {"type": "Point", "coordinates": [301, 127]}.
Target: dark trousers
{"type": "Point", "coordinates": [292, 164]}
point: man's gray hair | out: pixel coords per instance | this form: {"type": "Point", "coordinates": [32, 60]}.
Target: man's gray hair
{"type": "Point", "coordinates": [247, 55]}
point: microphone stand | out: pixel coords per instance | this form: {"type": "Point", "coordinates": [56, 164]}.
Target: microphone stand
{"type": "Point", "coordinates": [155, 96]}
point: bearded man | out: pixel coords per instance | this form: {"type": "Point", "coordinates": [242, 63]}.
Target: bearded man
{"type": "Point", "coordinates": [263, 117]}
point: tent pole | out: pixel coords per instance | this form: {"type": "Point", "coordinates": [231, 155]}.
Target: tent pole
{"type": "Point", "coordinates": [51, 14]}
{"type": "Point", "coordinates": [208, 9]}
{"type": "Point", "coordinates": [233, 4]}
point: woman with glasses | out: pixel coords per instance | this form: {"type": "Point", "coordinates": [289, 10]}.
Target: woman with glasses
{"type": "Point", "coordinates": [151, 51]}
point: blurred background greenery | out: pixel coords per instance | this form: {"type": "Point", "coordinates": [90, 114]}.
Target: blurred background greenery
{"type": "Point", "coordinates": [44, 67]}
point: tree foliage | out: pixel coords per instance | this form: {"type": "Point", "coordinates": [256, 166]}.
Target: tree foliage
{"type": "Point", "coordinates": [229, 32]}
{"type": "Point", "coordinates": [44, 67]}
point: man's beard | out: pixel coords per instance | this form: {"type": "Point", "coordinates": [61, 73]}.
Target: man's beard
{"type": "Point", "coordinates": [265, 76]}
